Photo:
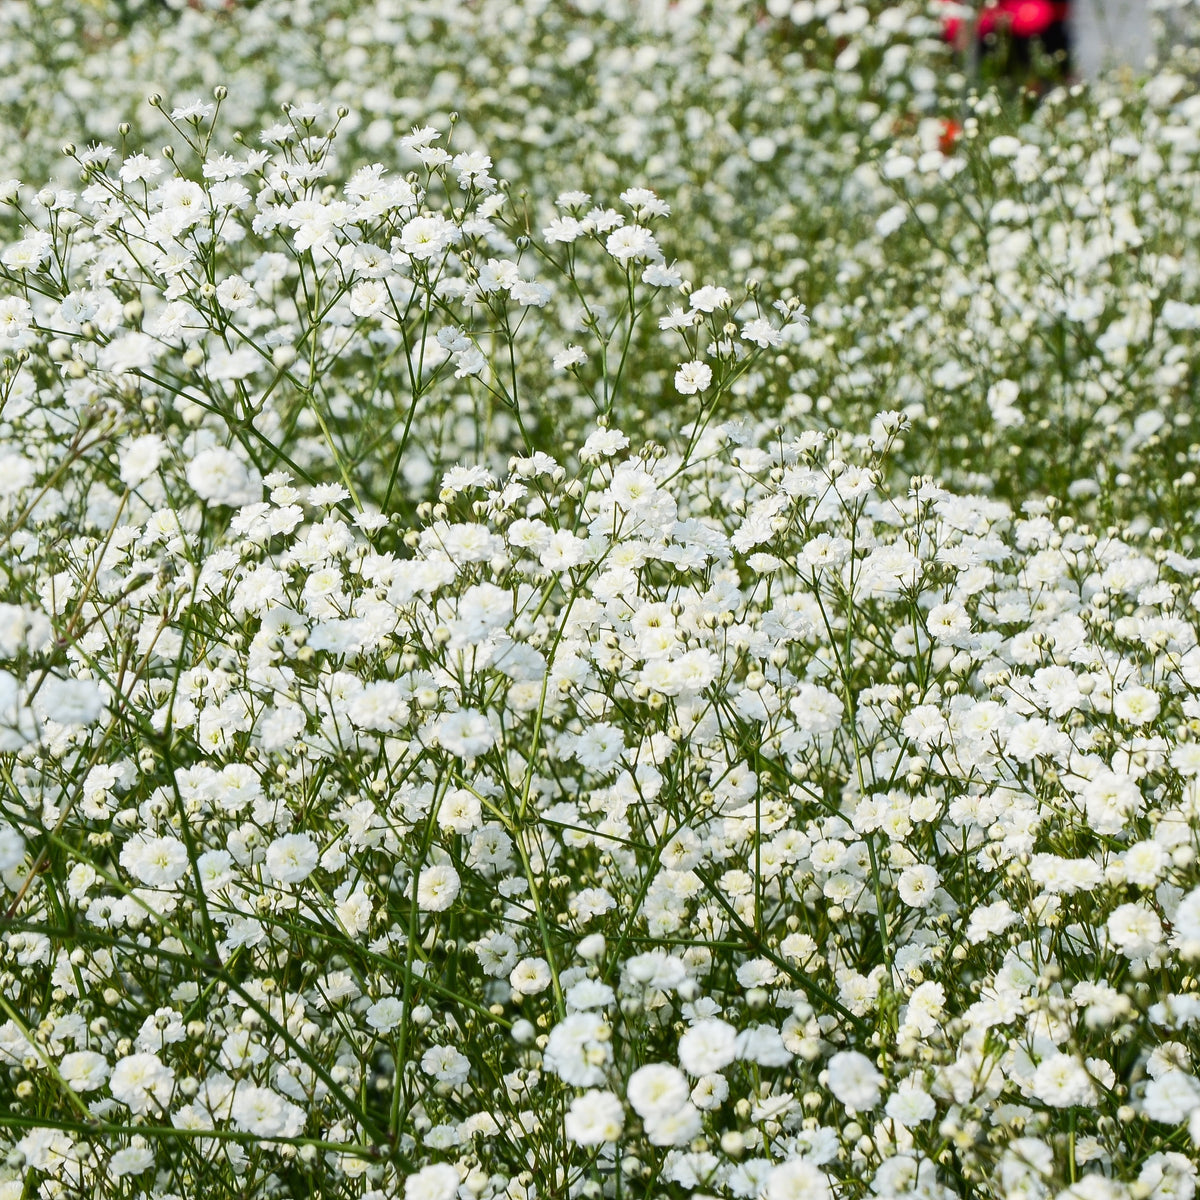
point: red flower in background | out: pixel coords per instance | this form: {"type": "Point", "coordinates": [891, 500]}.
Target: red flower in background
{"type": "Point", "coordinates": [1021, 18]}
{"type": "Point", "coordinates": [1031, 17]}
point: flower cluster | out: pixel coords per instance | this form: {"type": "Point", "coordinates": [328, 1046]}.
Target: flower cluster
{"type": "Point", "coordinates": [495, 706]}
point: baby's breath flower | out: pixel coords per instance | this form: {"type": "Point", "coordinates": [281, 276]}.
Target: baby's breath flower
{"type": "Point", "coordinates": [709, 298]}
{"type": "Point", "coordinates": [426, 741]}
{"type": "Point", "coordinates": [594, 1118]}
{"type": "Point", "coordinates": [437, 888]}
{"type": "Point", "coordinates": [693, 377]}
{"type": "Point", "coordinates": [854, 1080]}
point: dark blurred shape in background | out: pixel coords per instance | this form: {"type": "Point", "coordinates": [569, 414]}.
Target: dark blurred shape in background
{"type": "Point", "coordinates": [1027, 41]}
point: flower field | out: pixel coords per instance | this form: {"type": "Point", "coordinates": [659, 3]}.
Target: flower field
{"type": "Point", "coordinates": [598, 599]}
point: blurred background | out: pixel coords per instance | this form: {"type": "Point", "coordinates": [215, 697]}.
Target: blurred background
{"type": "Point", "coordinates": [1110, 33]}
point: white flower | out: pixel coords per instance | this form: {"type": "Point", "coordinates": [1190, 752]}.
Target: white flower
{"type": "Point", "coordinates": [658, 275]}
{"type": "Point", "coordinates": [646, 201]}
{"type": "Point", "coordinates": [572, 356]}
{"type": "Point", "coordinates": [763, 1044]}
{"type": "Point", "coordinates": [594, 1118]}
{"type": "Point", "coordinates": [530, 976]}
{"type": "Point", "coordinates": [1145, 863]}
{"type": "Point", "coordinates": [797, 1179]}
{"type": "Point", "coordinates": [910, 1105]}
{"type": "Point", "coordinates": [69, 701]}
{"type": "Point", "coordinates": [563, 229]}
{"type": "Point", "coordinates": [1136, 705]}
{"type": "Point", "coordinates": [182, 204]}
{"type": "Point", "coordinates": [675, 1128]}
{"type": "Point", "coordinates": [220, 477]}
{"type": "Point", "coordinates": [657, 1089]}
{"type": "Point", "coordinates": [572, 200]}
{"type": "Point", "coordinates": [530, 293]}
{"type": "Point", "coordinates": [368, 297]}
{"type": "Point", "coordinates": [472, 168]}
{"type": "Point", "coordinates": [602, 443]}
{"type": "Point", "coordinates": [427, 236]}
{"type": "Point", "coordinates": [437, 888]}
{"type": "Point", "coordinates": [1135, 929]}
{"type": "Point", "coordinates": [710, 1091]}
{"type": "Point", "coordinates": [438, 1181]}
{"type": "Point", "coordinates": [762, 333]}
{"type": "Point", "coordinates": [1110, 799]}
{"type": "Point", "coordinates": [446, 1065]}
{"type": "Point", "coordinates": [707, 1046]}
{"type": "Point", "coordinates": [325, 495]}
{"type": "Point", "coordinates": [384, 1015]}
{"type": "Point", "coordinates": [632, 241]}
{"type": "Point", "coordinates": [1003, 394]}
{"type": "Point", "coordinates": [420, 136]}
{"type": "Point", "coordinates": [235, 293]}
{"type": "Point", "coordinates": [1172, 1097]}
{"type": "Point", "coordinates": [599, 747]}
{"type": "Point", "coordinates": [378, 707]}
{"type": "Point", "coordinates": [925, 1008]}
{"type": "Point", "coordinates": [917, 885]}
{"type": "Point", "coordinates": [1062, 1081]}
{"type": "Point", "coordinates": [816, 709]}
{"type": "Point", "coordinates": [265, 1113]}
{"type": "Point", "coordinates": [240, 1049]}
{"type": "Point", "coordinates": [12, 848]}
{"type": "Point", "coordinates": [588, 993]}
{"type": "Point", "coordinates": [891, 219]}
{"type": "Point", "coordinates": [948, 623]}
{"type": "Point", "coordinates": [592, 946]}
{"type": "Point", "coordinates": [1186, 922]}
{"type": "Point", "coordinates": [1177, 315]}
{"type": "Point", "coordinates": [29, 253]}
{"type": "Point", "coordinates": [460, 811]}
{"type": "Point", "coordinates": [142, 1083]}
{"type": "Point", "coordinates": [83, 1070]}
{"type": "Point", "coordinates": [497, 954]}
{"type": "Point", "coordinates": [707, 299]}
{"type": "Point", "coordinates": [138, 168]}
{"type": "Point", "coordinates": [193, 110]}
{"type": "Point", "coordinates": [155, 861]}
{"type": "Point", "coordinates": [579, 1048]}
{"type": "Point", "coordinates": [133, 1160]}
{"type": "Point", "coordinates": [15, 318]}
{"type": "Point", "coordinates": [16, 721]}
{"type": "Point", "coordinates": [690, 672]}
{"type": "Point", "coordinates": [354, 909]}
{"type": "Point", "coordinates": [483, 609]}
{"type": "Point", "coordinates": [924, 724]}
{"type": "Point", "coordinates": [140, 459]}
{"type": "Point", "coordinates": [466, 733]}
{"type": "Point", "coordinates": [853, 1079]}
{"type": "Point", "coordinates": [292, 858]}
{"type": "Point", "coordinates": [692, 377]}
